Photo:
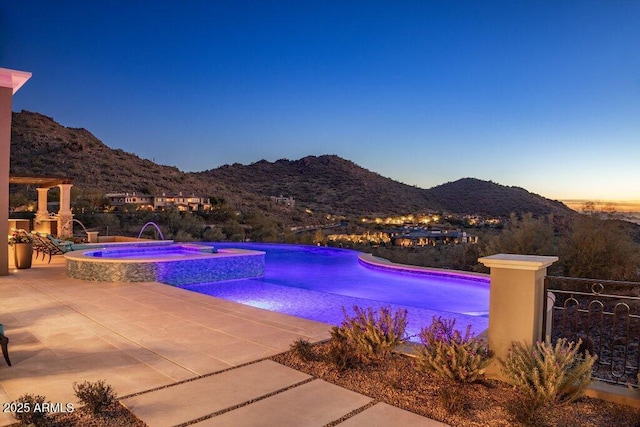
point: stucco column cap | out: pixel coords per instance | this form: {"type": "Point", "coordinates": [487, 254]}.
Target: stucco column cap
{"type": "Point", "coordinates": [13, 78]}
{"type": "Point", "coordinates": [518, 262]}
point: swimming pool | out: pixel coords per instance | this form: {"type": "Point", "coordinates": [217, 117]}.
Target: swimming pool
{"type": "Point", "coordinates": [316, 282]}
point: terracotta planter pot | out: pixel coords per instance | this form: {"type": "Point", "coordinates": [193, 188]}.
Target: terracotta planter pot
{"type": "Point", "coordinates": [23, 254]}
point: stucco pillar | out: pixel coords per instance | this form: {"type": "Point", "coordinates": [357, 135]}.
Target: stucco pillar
{"type": "Point", "coordinates": [42, 212]}
{"type": "Point", "coordinates": [515, 302]}
{"type": "Point", "coordinates": [65, 216]}
{"type": "Point", "coordinates": [6, 95]}
{"type": "Point", "coordinates": [10, 82]}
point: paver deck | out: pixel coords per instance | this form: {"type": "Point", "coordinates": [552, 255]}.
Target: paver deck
{"type": "Point", "coordinates": [184, 346]}
{"type": "Point", "coordinates": [195, 399]}
{"type": "Point", "coordinates": [313, 404]}
{"type": "Point", "coordinates": [383, 415]}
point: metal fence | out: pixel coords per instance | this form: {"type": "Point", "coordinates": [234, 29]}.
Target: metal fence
{"type": "Point", "coordinates": [605, 315]}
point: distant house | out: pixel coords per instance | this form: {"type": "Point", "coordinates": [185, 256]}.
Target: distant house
{"type": "Point", "coordinates": [281, 200]}
{"type": "Point", "coordinates": [477, 220]}
{"type": "Point", "coordinates": [182, 202]}
{"type": "Point", "coordinates": [432, 237]}
{"type": "Point", "coordinates": [160, 202]}
{"type": "Point", "coordinates": [142, 201]}
{"type": "Point", "coordinates": [408, 237]}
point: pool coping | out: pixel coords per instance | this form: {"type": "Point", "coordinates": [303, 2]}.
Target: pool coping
{"type": "Point", "coordinates": [370, 260]}
{"type": "Point", "coordinates": [83, 255]}
{"type": "Point", "coordinates": [133, 242]}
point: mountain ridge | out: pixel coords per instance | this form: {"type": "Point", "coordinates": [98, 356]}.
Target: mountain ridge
{"type": "Point", "coordinates": [327, 183]}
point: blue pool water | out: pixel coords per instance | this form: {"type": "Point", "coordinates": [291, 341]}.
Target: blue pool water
{"type": "Point", "coordinates": [152, 252]}
{"type": "Point", "coordinates": [316, 282]}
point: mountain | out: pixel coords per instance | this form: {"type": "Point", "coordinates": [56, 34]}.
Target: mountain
{"type": "Point", "coordinates": [42, 147]}
{"type": "Point", "coordinates": [488, 198]}
{"type": "Point", "coordinates": [333, 184]}
{"type": "Point", "coordinates": [325, 184]}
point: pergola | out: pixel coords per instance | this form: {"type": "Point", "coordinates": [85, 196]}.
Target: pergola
{"type": "Point", "coordinates": [44, 220]}
{"type": "Point", "coordinates": [10, 82]}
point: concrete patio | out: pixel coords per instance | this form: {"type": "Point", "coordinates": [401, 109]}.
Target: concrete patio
{"type": "Point", "coordinates": [173, 356]}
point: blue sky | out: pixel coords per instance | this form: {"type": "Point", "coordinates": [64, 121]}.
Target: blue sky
{"type": "Point", "coordinates": [543, 95]}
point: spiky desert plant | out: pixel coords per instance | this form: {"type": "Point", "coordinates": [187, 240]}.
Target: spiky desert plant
{"type": "Point", "coordinates": [449, 354]}
{"type": "Point", "coordinates": [549, 374]}
{"type": "Point", "coordinates": [373, 334]}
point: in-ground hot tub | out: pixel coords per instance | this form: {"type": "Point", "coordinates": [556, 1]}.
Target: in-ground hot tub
{"type": "Point", "coordinates": [174, 264]}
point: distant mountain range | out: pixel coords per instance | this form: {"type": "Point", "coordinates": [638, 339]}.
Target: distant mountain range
{"type": "Point", "coordinates": [327, 184]}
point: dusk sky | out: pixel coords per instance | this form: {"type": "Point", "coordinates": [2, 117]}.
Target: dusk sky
{"type": "Point", "coordinates": [543, 95]}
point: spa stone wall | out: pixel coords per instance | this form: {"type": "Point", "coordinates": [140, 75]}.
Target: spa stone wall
{"type": "Point", "coordinates": [172, 272]}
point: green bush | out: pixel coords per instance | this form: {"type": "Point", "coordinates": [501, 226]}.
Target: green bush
{"type": "Point", "coordinates": [29, 411]}
{"type": "Point", "coordinates": [549, 374]}
{"type": "Point", "coordinates": [373, 335]}
{"type": "Point", "coordinates": [449, 354]}
{"type": "Point", "coordinates": [97, 397]}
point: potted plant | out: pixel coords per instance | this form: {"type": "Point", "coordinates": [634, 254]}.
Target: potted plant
{"type": "Point", "coordinates": [23, 248]}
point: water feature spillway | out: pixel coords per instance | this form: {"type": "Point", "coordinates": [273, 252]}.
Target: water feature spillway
{"type": "Point", "coordinates": [151, 223]}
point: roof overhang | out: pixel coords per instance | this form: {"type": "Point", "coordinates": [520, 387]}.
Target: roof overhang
{"type": "Point", "coordinates": [41, 181]}
{"type": "Point", "coordinates": [13, 78]}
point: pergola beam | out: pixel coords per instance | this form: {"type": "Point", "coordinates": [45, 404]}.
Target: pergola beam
{"type": "Point", "coordinates": [40, 181]}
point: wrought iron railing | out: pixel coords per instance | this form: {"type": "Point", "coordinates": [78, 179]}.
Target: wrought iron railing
{"type": "Point", "coordinates": [605, 315]}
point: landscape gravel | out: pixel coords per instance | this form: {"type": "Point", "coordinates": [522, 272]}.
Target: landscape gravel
{"type": "Point", "coordinates": [397, 382]}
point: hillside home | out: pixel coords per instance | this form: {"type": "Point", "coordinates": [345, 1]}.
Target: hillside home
{"type": "Point", "coordinates": [281, 200]}
{"type": "Point", "coordinates": [182, 202]}
{"type": "Point", "coordinates": [432, 237]}
{"type": "Point", "coordinates": [142, 201]}
{"type": "Point", "coordinates": [408, 237]}
{"type": "Point", "coordinates": [477, 220]}
{"type": "Point", "coordinates": [160, 202]}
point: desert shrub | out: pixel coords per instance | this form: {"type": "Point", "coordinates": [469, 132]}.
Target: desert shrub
{"type": "Point", "coordinates": [97, 396]}
{"type": "Point", "coordinates": [449, 354]}
{"type": "Point", "coordinates": [373, 335]}
{"type": "Point", "coordinates": [549, 374]}
{"type": "Point", "coordinates": [527, 411]}
{"type": "Point", "coordinates": [29, 411]}
{"type": "Point", "coordinates": [526, 235]}
{"type": "Point", "coordinates": [453, 400]}
{"type": "Point", "coordinates": [600, 248]}
{"type": "Point", "coordinates": [183, 236]}
{"type": "Point", "coordinates": [303, 349]}
{"type": "Point", "coordinates": [341, 353]}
